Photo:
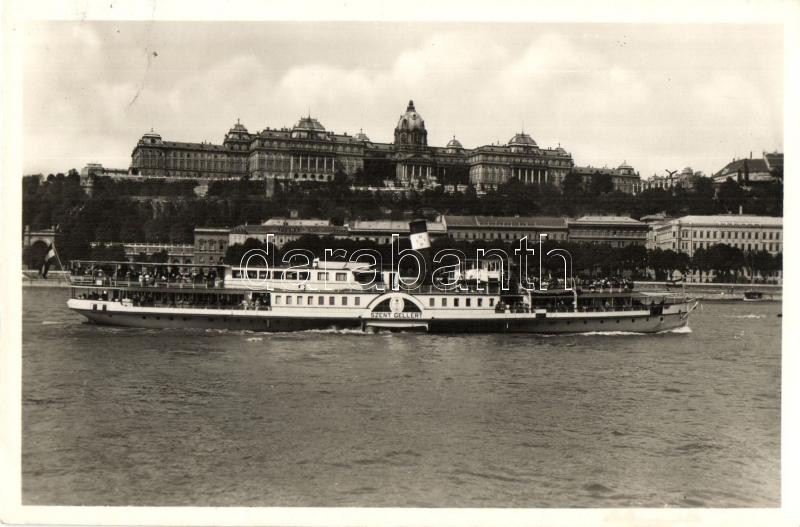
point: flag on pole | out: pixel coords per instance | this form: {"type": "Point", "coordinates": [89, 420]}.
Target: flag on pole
{"type": "Point", "coordinates": [51, 253]}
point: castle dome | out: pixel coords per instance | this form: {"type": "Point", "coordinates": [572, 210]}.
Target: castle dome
{"type": "Point", "coordinates": [454, 144]}
{"type": "Point", "coordinates": [309, 124]}
{"type": "Point", "coordinates": [151, 138]}
{"type": "Point", "coordinates": [410, 131]}
{"type": "Point", "coordinates": [361, 136]}
{"type": "Point", "coordinates": [238, 127]}
{"type": "Point", "coordinates": [308, 128]}
{"type": "Point", "coordinates": [411, 120]}
{"type": "Point", "coordinates": [625, 168]}
{"type": "Point", "coordinates": [522, 139]}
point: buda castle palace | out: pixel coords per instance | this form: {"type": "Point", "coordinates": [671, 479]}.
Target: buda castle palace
{"type": "Point", "coordinates": [308, 152]}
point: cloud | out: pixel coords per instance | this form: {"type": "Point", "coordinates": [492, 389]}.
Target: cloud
{"type": "Point", "coordinates": [655, 97]}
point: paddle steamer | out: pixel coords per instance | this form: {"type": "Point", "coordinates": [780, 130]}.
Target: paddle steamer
{"type": "Point", "coordinates": [351, 295]}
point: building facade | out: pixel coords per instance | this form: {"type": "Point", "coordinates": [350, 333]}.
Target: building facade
{"type": "Point", "coordinates": [154, 157]}
{"type": "Point", "coordinates": [210, 245]}
{"type": "Point", "coordinates": [753, 171]}
{"type": "Point", "coordinates": [686, 178]}
{"type": "Point", "coordinates": [505, 228]}
{"type": "Point", "coordinates": [177, 253]}
{"type": "Point", "coordinates": [623, 178]}
{"type": "Point", "coordinates": [281, 231]}
{"type": "Point", "coordinates": [309, 153]}
{"type": "Point", "coordinates": [381, 231]}
{"type": "Point", "coordinates": [616, 231]}
{"type": "Point", "coordinates": [748, 233]}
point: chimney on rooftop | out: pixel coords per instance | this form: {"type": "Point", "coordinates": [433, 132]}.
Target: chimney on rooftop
{"type": "Point", "coordinates": [751, 154]}
{"type": "Point", "coordinates": [740, 210]}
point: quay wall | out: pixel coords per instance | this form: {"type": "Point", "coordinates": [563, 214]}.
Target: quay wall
{"type": "Point", "coordinates": [717, 292]}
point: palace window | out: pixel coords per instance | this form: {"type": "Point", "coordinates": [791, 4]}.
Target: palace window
{"type": "Point", "coordinates": [344, 300]}
{"type": "Point", "coordinates": [331, 300]}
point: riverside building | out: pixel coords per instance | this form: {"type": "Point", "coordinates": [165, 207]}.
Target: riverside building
{"type": "Point", "coordinates": [748, 233]}
{"type": "Point", "coordinates": [505, 228]}
{"type": "Point", "coordinates": [616, 231]}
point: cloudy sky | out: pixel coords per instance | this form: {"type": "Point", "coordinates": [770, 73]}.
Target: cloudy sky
{"type": "Point", "coordinates": [656, 96]}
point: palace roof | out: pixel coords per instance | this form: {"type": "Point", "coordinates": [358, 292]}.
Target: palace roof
{"type": "Point", "coordinates": [737, 220]}
{"type": "Point", "coordinates": [623, 221]}
{"type": "Point", "coordinates": [524, 222]}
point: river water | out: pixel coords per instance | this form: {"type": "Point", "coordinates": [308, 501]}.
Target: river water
{"type": "Point", "coordinates": [116, 416]}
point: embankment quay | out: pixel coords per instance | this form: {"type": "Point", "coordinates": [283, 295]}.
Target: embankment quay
{"type": "Point", "coordinates": [718, 292]}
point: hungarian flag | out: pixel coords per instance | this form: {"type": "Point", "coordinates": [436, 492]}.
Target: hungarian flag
{"type": "Point", "coordinates": [51, 253]}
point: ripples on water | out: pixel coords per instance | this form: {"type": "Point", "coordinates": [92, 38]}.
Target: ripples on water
{"type": "Point", "coordinates": [125, 416]}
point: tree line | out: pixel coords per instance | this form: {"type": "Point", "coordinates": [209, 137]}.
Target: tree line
{"type": "Point", "coordinates": [727, 263]}
{"type": "Point", "coordinates": [127, 211]}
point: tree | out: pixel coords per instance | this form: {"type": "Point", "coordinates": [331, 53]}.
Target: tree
{"type": "Point", "coordinates": [701, 197]}
{"type": "Point", "coordinates": [730, 195]}
{"type": "Point", "coordinates": [131, 229]}
{"type": "Point", "coordinates": [159, 257]}
{"type": "Point", "coordinates": [763, 263]}
{"type": "Point", "coordinates": [572, 185]}
{"type": "Point", "coordinates": [235, 252]}
{"type": "Point", "coordinates": [701, 262]}
{"type": "Point", "coordinates": [116, 253]}
{"type": "Point", "coordinates": [601, 183]}
{"type": "Point", "coordinates": [724, 260]}
{"type": "Point", "coordinates": [719, 260]}
{"type": "Point", "coordinates": [33, 255]}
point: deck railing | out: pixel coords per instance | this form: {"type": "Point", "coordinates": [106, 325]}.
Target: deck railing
{"type": "Point", "coordinates": [181, 283]}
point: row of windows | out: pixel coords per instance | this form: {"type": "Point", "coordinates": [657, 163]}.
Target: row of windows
{"type": "Point", "coordinates": [308, 146]}
{"type": "Point", "coordinates": [191, 164]}
{"type": "Point", "coordinates": [468, 302]}
{"type": "Point", "coordinates": [191, 173]}
{"type": "Point", "coordinates": [504, 235]}
{"type": "Point", "coordinates": [287, 163]}
{"type": "Point", "coordinates": [321, 300]}
{"type": "Point", "coordinates": [235, 146]}
{"type": "Point", "coordinates": [731, 235]}
{"type": "Point", "coordinates": [289, 275]}
{"type": "Point", "coordinates": [188, 154]}
{"type": "Point", "coordinates": [609, 232]}
{"type": "Point", "coordinates": [743, 246]}
{"type": "Point", "coordinates": [211, 245]}
{"type": "Point", "coordinates": [483, 158]}
{"type": "Point", "coordinates": [311, 300]}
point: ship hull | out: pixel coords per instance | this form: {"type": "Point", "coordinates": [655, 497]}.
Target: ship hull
{"type": "Point", "coordinates": [113, 314]}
